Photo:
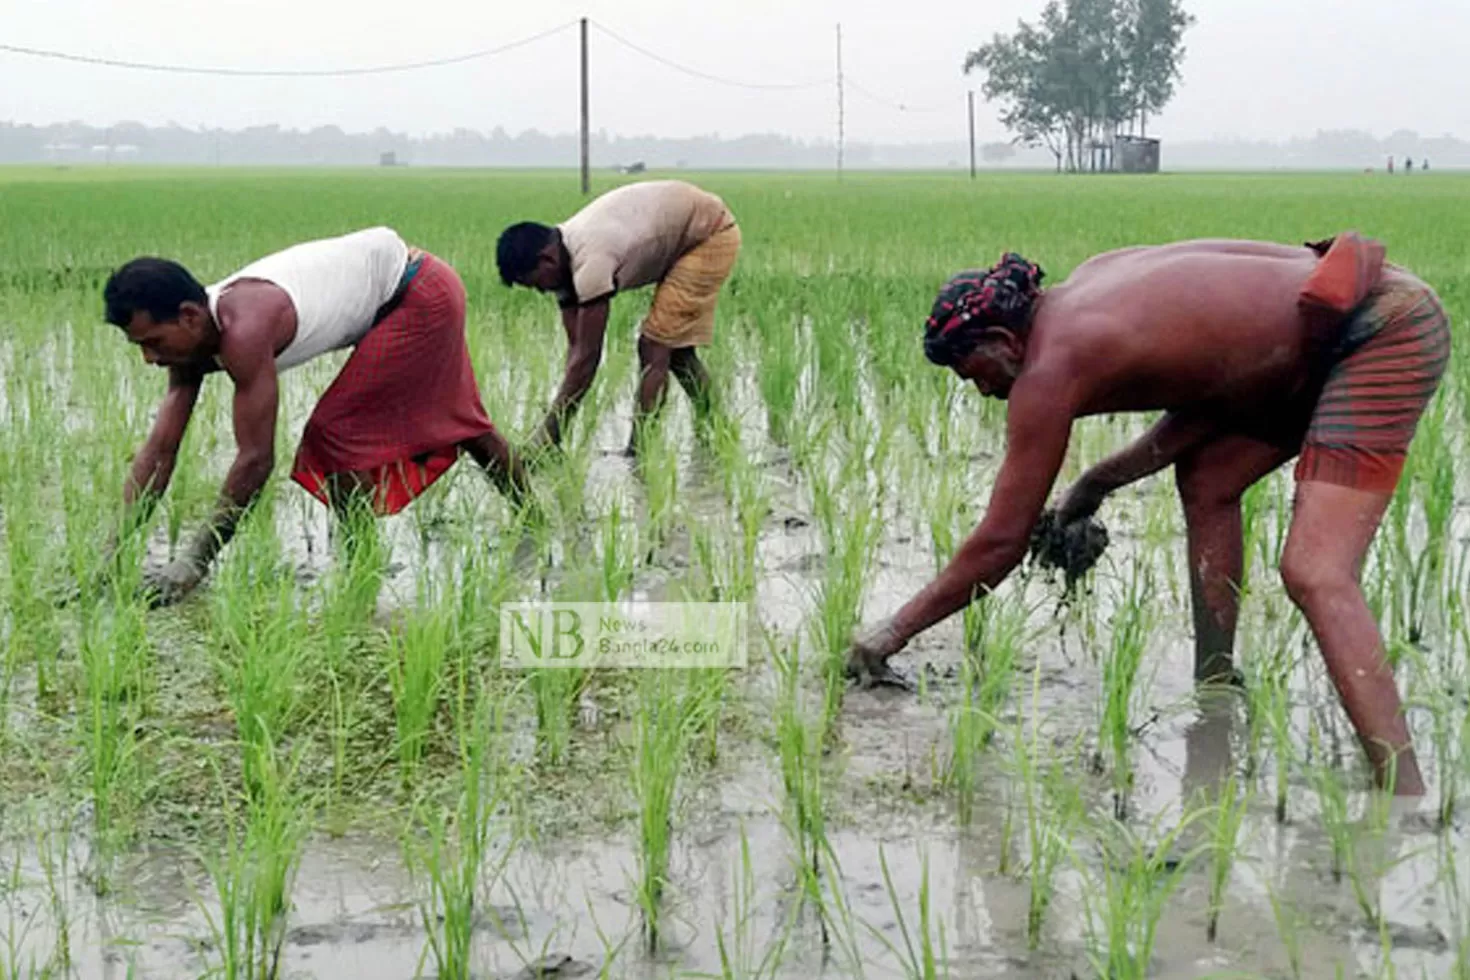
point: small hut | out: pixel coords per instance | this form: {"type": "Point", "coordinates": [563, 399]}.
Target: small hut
{"type": "Point", "coordinates": [1136, 155]}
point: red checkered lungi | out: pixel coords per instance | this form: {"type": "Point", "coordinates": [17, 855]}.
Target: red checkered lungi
{"type": "Point", "coordinates": [404, 400]}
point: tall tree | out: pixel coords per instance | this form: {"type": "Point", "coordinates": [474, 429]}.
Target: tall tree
{"type": "Point", "coordinates": [1085, 69]}
{"type": "Point", "coordinates": [1154, 51]}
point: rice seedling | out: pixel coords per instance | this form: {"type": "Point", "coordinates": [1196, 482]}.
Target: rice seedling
{"type": "Point", "coordinates": [53, 854]}
{"type": "Point", "coordinates": [417, 657]}
{"type": "Point", "coordinates": [254, 871]}
{"type": "Point", "coordinates": [448, 850]}
{"type": "Point", "coordinates": [929, 959]}
{"type": "Point", "coordinates": [850, 542]}
{"type": "Point", "coordinates": [781, 350]}
{"type": "Point", "coordinates": [742, 956]}
{"type": "Point", "coordinates": [985, 684]}
{"type": "Point", "coordinates": [1052, 806]}
{"type": "Point", "coordinates": [1133, 621]}
{"type": "Point", "coordinates": [658, 470]}
{"type": "Point", "coordinates": [1230, 808]}
{"type": "Point", "coordinates": [799, 746]}
{"type": "Point", "coordinates": [1288, 929]}
{"type": "Point", "coordinates": [1332, 804]}
{"type": "Point", "coordinates": [669, 715]}
{"type": "Point", "coordinates": [259, 657]}
{"type": "Point", "coordinates": [1129, 889]}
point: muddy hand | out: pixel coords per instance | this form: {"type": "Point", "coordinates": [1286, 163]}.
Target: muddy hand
{"type": "Point", "coordinates": [1081, 501]}
{"type": "Point", "coordinates": [171, 583]}
{"type": "Point", "coordinates": [867, 659]}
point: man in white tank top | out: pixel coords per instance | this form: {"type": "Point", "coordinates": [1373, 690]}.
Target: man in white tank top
{"type": "Point", "coordinates": [395, 419]}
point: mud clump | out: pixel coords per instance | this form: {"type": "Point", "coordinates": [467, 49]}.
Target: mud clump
{"type": "Point", "coordinates": [1072, 548]}
{"type": "Point", "coordinates": [556, 966]}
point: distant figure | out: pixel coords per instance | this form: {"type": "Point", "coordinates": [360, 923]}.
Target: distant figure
{"type": "Point", "coordinates": [1424, 167]}
{"type": "Point", "coordinates": [1390, 166]}
{"type": "Point", "coordinates": [1408, 165]}
{"type": "Point", "coordinates": [400, 412]}
{"type": "Point", "coordinates": [1257, 353]}
{"type": "Point", "coordinates": [660, 231]}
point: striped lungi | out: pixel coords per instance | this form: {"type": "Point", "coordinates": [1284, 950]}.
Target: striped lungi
{"type": "Point", "coordinates": [1389, 356]}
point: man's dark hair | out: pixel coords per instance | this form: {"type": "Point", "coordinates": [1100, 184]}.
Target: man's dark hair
{"type": "Point", "coordinates": [158, 287]}
{"type": "Point", "coordinates": [977, 300]}
{"type": "Point", "coordinates": [519, 248]}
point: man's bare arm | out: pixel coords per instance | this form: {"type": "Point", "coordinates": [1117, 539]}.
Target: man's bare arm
{"type": "Point", "coordinates": [256, 401]}
{"type": "Point", "coordinates": [586, 326]}
{"type": "Point", "coordinates": [248, 354]}
{"type": "Point", "coordinates": [1161, 446]}
{"type": "Point", "coordinates": [153, 466]}
{"type": "Point", "coordinates": [1038, 428]}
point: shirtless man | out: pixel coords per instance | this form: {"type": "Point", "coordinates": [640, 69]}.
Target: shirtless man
{"type": "Point", "coordinates": [1257, 353]}
{"type": "Point", "coordinates": [661, 231]}
{"type": "Point", "coordinates": [393, 421]}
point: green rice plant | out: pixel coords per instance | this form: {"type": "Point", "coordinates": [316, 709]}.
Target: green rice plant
{"type": "Point", "coordinates": [351, 596]}
{"type": "Point", "coordinates": [1129, 889]}
{"type": "Point", "coordinates": [566, 474]}
{"type": "Point", "coordinates": [1288, 929]}
{"type": "Point", "coordinates": [970, 728]}
{"type": "Point", "coordinates": [1443, 698]}
{"type": "Point", "coordinates": [448, 850]}
{"type": "Point", "coordinates": [417, 656]}
{"type": "Point", "coordinates": [658, 469]}
{"type": "Point", "coordinates": [751, 504]}
{"type": "Point", "coordinates": [985, 685]}
{"type": "Point", "coordinates": [851, 544]}
{"type": "Point", "coordinates": [53, 854]}
{"type": "Point", "coordinates": [1451, 888]}
{"type": "Point", "coordinates": [742, 956]}
{"type": "Point", "coordinates": [799, 746]}
{"type": "Point", "coordinates": [254, 870]}
{"type": "Point", "coordinates": [1052, 807]}
{"type": "Point", "coordinates": [33, 633]}
{"type": "Point", "coordinates": [556, 692]}
{"type": "Point", "coordinates": [1253, 504]}
{"type": "Point", "coordinates": [779, 375]}
{"type": "Point", "coordinates": [116, 659]}
{"type": "Point", "coordinates": [617, 553]}
{"type": "Point", "coordinates": [929, 959]}
{"type": "Point", "coordinates": [1332, 805]}
{"type": "Point", "coordinates": [1269, 698]}
{"type": "Point", "coordinates": [1229, 814]}
{"type": "Point", "coordinates": [259, 657]}
{"type": "Point", "coordinates": [1133, 621]}
{"type": "Point", "coordinates": [669, 715]}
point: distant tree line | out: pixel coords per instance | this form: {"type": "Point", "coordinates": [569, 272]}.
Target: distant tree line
{"type": "Point", "coordinates": [1086, 71]}
{"type": "Point", "coordinates": [65, 144]}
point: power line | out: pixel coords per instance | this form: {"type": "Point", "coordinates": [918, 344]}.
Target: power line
{"type": "Point", "coordinates": [889, 103]}
{"type": "Point", "coordinates": [696, 73]}
{"type": "Point", "coordinates": [281, 72]}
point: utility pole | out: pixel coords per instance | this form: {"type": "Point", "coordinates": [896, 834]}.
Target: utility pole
{"type": "Point", "coordinates": [972, 134]}
{"type": "Point", "coordinates": [586, 134]}
{"type": "Point", "coordinates": [840, 109]}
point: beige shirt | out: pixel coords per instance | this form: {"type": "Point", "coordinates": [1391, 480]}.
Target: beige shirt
{"type": "Point", "coordinates": [632, 236]}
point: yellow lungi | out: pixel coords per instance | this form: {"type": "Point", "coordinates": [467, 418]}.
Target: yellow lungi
{"type": "Point", "coordinates": [683, 311]}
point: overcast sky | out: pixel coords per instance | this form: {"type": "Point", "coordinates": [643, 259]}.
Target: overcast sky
{"type": "Point", "coordinates": [1254, 68]}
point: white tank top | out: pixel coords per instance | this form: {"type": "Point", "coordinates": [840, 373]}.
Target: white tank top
{"type": "Point", "coordinates": [336, 284]}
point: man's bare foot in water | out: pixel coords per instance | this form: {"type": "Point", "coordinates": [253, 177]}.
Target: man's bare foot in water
{"type": "Point", "coordinates": [867, 659]}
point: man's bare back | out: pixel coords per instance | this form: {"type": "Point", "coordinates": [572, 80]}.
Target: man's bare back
{"type": "Point", "coordinates": [1209, 325]}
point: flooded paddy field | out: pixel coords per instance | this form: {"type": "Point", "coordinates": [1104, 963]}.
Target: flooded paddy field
{"type": "Point", "coordinates": [317, 766]}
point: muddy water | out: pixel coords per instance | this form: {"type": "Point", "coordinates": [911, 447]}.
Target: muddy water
{"type": "Point", "coordinates": [355, 909]}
